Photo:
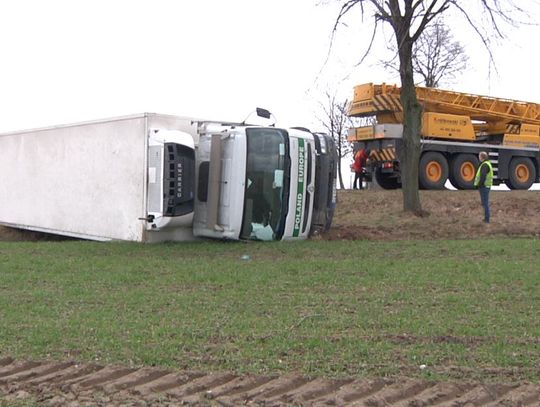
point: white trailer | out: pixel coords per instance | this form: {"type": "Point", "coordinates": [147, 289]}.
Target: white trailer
{"type": "Point", "coordinates": [153, 177]}
{"type": "Point", "coordinates": [91, 180]}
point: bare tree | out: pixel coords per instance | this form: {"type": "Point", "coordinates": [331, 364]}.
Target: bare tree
{"type": "Point", "coordinates": [409, 19]}
{"type": "Point", "coordinates": [437, 56]}
{"type": "Point", "coordinates": [336, 123]}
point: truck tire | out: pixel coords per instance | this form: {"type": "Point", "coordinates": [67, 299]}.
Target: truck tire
{"type": "Point", "coordinates": [386, 181]}
{"type": "Point", "coordinates": [521, 173]}
{"type": "Point", "coordinates": [463, 170]}
{"type": "Point", "coordinates": [433, 171]}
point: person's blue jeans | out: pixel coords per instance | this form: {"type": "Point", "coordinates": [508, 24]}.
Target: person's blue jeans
{"type": "Point", "coordinates": [484, 198]}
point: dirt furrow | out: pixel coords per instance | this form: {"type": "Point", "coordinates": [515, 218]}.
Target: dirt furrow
{"type": "Point", "coordinates": [357, 390]}
{"type": "Point", "coordinates": [69, 375]}
{"type": "Point", "coordinates": [435, 395]}
{"type": "Point", "coordinates": [17, 367]}
{"type": "Point", "coordinates": [479, 395]}
{"type": "Point", "coordinates": [86, 373]}
{"type": "Point", "coordinates": [201, 385]}
{"type": "Point", "coordinates": [101, 378]}
{"type": "Point", "coordinates": [315, 390]}
{"type": "Point", "coordinates": [35, 372]}
{"type": "Point", "coordinates": [6, 361]}
{"type": "Point", "coordinates": [231, 390]}
{"type": "Point", "coordinates": [166, 382]}
{"type": "Point", "coordinates": [526, 395]}
{"type": "Point", "coordinates": [137, 378]}
{"type": "Point", "coordinates": [275, 388]}
{"type": "Point", "coordinates": [56, 384]}
{"type": "Point", "coordinates": [393, 393]}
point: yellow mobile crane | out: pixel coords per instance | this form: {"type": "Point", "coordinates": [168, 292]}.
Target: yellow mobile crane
{"type": "Point", "coordinates": [455, 128]}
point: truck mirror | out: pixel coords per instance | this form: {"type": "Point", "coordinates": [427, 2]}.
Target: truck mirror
{"type": "Point", "coordinates": [265, 114]}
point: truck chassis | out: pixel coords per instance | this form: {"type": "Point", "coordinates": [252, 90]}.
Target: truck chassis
{"type": "Point", "coordinates": [454, 161]}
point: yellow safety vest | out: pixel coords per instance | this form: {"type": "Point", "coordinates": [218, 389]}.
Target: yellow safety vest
{"type": "Point", "coordinates": [489, 176]}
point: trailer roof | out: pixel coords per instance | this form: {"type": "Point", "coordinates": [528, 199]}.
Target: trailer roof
{"type": "Point", "coordinates": [90, 122]}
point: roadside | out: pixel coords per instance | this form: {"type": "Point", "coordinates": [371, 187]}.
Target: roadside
{"type": "Point", "coordinates": [378, 215]}
{"type": "Point", "coordinates": [361, 215]}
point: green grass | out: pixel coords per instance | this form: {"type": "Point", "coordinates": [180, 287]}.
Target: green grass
{"type": "Point", "coordinates": [26, 402]}
{"type": "Point", "coordinates": [316, 307]}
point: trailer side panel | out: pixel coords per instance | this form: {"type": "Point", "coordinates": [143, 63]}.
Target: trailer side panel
{"type": "Point", "coordinates": [83, 180]}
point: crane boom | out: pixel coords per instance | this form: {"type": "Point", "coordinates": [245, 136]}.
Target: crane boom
{"type": "Point", "coordinates": [384, 101]}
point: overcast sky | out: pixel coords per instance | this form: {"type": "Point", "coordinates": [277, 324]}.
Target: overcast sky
{"type": "Point", "coordinates": [65, 61]}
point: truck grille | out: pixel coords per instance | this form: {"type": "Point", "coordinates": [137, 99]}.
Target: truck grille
{"type": "Point", "coordinates": [178, 180]}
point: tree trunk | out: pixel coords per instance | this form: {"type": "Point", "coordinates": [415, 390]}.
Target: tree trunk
{"type": "Point", "coordinates": [409, 156]}
{"type": "Point", "coordinates": [340, 175]}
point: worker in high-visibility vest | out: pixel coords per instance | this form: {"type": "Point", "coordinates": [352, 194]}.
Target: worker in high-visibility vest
{"type": "Point", "coordinates": [484, 181]}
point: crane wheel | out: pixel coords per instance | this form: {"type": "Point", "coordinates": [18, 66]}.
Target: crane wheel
{"type": "Point", "coordinates": [433, 171]}
{"type": "Point", "coordinates": [521, 174]}
{"type": "Point", "coordinates": [463, 170]}
{"type": "Point", "coordinates": [386, 181]}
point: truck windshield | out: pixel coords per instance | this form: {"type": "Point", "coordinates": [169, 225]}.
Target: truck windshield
{"type": "Point", "coordinates": [267, 184]}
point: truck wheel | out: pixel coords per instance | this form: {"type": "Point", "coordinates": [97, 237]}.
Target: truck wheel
{"type": "Point", "coordinates": [386, 181]}
{"type": "Point", "coordinates": [463, 170]}
{"type": "Point", "coordinates": [433, 171]}
{"type": "Point", "coordinates": [522, 173]}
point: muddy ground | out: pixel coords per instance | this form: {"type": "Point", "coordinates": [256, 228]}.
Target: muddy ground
{"type": "Point", "coordinates": [361, 215]}
{"type": "Point", "coordinates": [378, 215]}
{"type": "Point", "coordinates": [72, 384]}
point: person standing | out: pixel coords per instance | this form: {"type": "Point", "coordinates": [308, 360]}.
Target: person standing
{"type": "Point", "coordinates": [484, 181]}
{"type": "Point", "coordinates": [358, 168]}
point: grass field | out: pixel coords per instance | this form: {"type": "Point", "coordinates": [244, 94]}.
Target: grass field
{"type": "Point", "coordinates": [463, 308]}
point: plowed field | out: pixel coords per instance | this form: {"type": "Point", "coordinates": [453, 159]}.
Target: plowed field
{"type": "Point", "coordinates": [71, 384]}
{"type": "Point", "coordinates": [369, 215]}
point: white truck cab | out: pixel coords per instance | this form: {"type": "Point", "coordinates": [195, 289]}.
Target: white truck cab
{"type": "Point", "coordinates": [254, 182]}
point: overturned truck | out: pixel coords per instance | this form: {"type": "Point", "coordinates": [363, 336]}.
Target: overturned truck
{"type": "Point", "coordinates": [152, 177]}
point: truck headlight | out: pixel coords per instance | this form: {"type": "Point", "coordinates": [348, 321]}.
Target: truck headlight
{"type": "Point", "coordinates": [322, 140]}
